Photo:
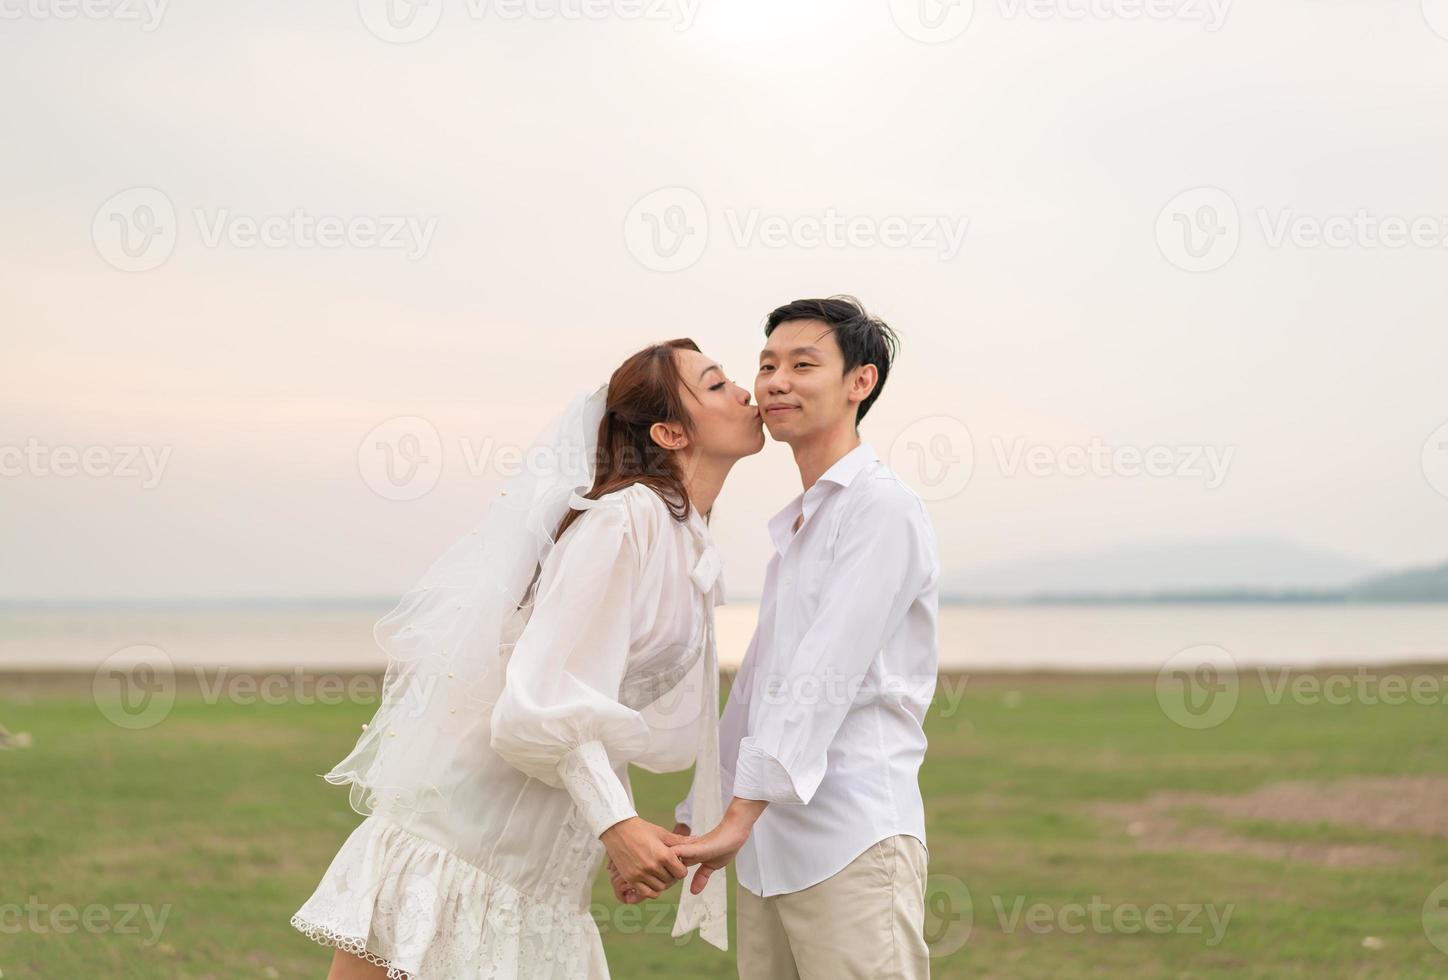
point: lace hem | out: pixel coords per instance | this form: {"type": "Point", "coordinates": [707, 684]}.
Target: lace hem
{"type": "Point", "coordinates": [403, 902]}
{"type": "Point", "coordinates": [347, 944]}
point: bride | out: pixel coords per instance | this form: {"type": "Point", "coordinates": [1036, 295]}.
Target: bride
{"type": "Point", "coordinates": [569, 635]}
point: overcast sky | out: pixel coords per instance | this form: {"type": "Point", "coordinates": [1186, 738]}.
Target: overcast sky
{"type": "Point", "coordinates": [237, 238]}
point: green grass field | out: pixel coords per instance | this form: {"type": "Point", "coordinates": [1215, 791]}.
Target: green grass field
{"type": "Point", "coordinates": [1050, 855]}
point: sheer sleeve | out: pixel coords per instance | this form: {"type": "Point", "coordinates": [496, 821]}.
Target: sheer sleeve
{"type": "Point", "coordinates": [559, 718]}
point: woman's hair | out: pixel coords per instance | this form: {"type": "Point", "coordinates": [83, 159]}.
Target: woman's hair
{"type": "Point", "coordinates": [645, 389]}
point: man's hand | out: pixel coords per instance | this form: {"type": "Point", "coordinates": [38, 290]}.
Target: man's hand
{"type": "Point", "coordinates": [639, 852]}
{"type": "Point", "coordinates": [682, 829]}
{"type": "Point", "coordinates": [717, 848]}
{"type": "Point", "coordinates": [712, 851]}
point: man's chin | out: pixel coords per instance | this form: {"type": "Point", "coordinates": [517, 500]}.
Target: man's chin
{"type": "Point", "coordinates": [781, 431]}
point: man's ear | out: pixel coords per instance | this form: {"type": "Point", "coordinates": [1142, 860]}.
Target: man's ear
{"type": "Point", "coordinates": [669, 435]}
{"type": "Point", "coordinates": [866, 375]}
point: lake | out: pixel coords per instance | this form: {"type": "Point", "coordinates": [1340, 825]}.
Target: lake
{"type": "Point", "coordinates": [972, 637]}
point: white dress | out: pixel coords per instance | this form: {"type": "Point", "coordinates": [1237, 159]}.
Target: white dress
{"type": "Point", "coordinates": [615, 664]}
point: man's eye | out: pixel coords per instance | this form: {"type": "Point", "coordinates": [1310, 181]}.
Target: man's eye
{"type": "Point", "coordinates": [804, 364]}
{"type": "Point", "coordinates": [765, 367]}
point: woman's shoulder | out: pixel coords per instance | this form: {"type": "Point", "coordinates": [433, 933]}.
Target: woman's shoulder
{"type": "Point", "coordinates": [642, 509]}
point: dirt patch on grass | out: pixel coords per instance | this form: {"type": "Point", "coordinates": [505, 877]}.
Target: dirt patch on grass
{"type": "Point", "coordinates": [1388, 804]}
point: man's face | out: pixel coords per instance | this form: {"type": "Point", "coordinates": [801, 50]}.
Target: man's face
{"type": "Point", "coordinates": [801, 387]}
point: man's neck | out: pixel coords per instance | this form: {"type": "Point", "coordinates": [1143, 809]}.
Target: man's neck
{"type": "Point", "coordinates": [815, 457]}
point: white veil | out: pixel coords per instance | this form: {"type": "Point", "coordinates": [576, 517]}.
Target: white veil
{"type": "Point", "coordinates": [448, 639]}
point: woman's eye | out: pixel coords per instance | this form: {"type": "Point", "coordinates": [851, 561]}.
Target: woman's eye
{"type": "Point", "coordinates": [716, 387]}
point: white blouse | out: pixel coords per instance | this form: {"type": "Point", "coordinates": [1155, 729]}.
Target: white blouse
{"type": "Point", "coordinates": [618, 665]}
{"type": "Point", "coordinates": [614, 664]}
{"type": "Point", "coordinates": [609, 669]}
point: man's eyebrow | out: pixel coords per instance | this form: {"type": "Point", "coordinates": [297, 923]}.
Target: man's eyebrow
{"type": "Point", "coordinates": [792, 353]}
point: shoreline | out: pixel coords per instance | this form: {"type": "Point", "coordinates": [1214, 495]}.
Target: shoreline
{"type": "Point", "coordinates": [191, 677]}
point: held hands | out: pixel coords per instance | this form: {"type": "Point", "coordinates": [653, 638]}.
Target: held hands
{"type": "Point", "coordinates": [640, 861]}
{"type": "Point", "coordinates": [622, 890]}
{"type": "Point", "coordinates": [717, 848]}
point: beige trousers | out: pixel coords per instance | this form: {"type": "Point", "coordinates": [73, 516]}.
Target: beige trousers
{"type": "Point", "coordinates": [866, 922]}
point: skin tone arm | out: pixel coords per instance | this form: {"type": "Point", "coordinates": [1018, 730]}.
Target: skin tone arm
{"type": "Point", "coordinates": [717, 848]}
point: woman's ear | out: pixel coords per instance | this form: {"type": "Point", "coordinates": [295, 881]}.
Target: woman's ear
{"type": "Point", "coordinates": [669, 435]}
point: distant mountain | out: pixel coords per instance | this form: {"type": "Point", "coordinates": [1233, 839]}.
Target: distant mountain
{"type": "Point", "coordinates": [1414, 585]}
{"type": "Point", "coordinates": [1211, 566]}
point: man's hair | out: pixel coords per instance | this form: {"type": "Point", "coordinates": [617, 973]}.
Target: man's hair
{"type": "Point", "coordinates": [863, 339]}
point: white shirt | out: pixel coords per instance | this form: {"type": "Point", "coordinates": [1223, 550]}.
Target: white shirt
{"type": "Point", "coordinates": [617, 665]}
{"type": "Point", "coordinates": [825, 719]}
{"type": "Point", "coordinates": [611, 663]}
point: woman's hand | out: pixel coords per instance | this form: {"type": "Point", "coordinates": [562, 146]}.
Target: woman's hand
{"type": "Point", "coordinates": [639, 852]}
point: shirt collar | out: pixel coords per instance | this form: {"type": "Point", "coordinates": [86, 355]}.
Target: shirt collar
{"type": "Point", "coordinates": [841, 474]}
{"type": "Point", "coordinates": [848, 466]}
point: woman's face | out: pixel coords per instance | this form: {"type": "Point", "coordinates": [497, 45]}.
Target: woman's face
{"type": "Point", "coordinates": [725, 422]}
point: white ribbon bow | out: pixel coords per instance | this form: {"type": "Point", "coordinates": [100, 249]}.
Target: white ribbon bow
{"type": "Point", "coordinates": [709, 910]}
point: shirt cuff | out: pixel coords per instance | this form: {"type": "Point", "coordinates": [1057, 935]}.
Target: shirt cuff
{"type": "Point", "coordinates": [684, 812]}
{"type": "Point", "coordinates": [760, 776]}
{"type": "Point", "coordinates": [595, 787]}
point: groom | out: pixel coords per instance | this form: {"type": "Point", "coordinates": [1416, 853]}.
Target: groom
{"type": "Point", "coordinates": [822, 739]}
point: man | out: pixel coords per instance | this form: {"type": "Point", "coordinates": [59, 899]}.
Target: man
{"type": "Point", "coordinates": [822, 739]}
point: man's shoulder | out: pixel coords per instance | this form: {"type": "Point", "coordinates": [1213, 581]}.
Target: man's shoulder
{"type": "Point", "coordinates": [882, 490]}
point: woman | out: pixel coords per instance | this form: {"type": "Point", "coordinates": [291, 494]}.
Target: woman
{"type": "Point", "coordinates": [525, 676]}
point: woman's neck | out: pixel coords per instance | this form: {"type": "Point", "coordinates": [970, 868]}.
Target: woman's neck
{"type": "Point", "coordinates": [703, 478]}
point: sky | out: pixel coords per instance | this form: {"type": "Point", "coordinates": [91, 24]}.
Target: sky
{"type": "Point", "coordinates": [1163, 269]}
